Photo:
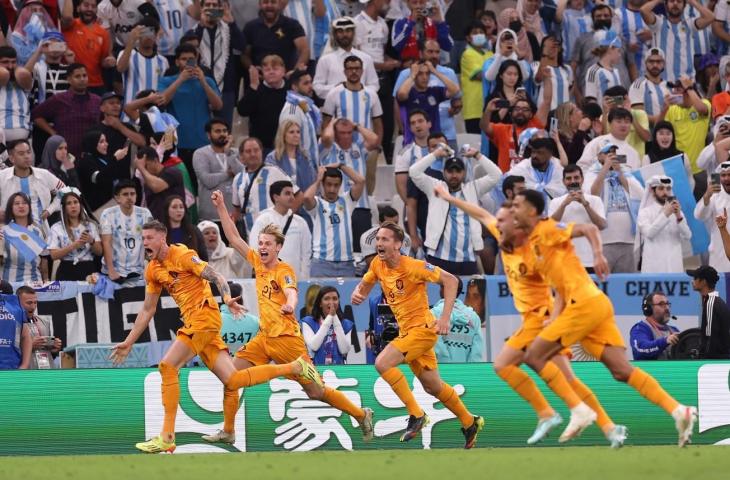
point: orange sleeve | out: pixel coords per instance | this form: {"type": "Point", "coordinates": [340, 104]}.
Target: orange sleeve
{"type": "Point", "coordinates": [285, 277]}
{"type": "Point", "coordinates": [253, 258]}
{"type": "Point", "coordinates": [424, 271]}
{"type": "Point", "coordinates": [492, 227]}
{"type": "Point", "coordinates": [500, 133]}
{"type": "Point", "coordinates": [550, 233]}
{"type": "Point", "coordinates": [151, 284]}
{"type": "Point", "coordinates": [188, 261]}
{"type": "Point", "coordinates": [371, 276]}
{"type": "Point", "coordinates": [106, 44]}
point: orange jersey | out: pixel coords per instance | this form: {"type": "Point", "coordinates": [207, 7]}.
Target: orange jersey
{"type": "Point", "coordinates": [529, 289]}
{"type": "Point", "coordinates": [270, 285]}
{"type": "Point", "coordinates": [179, 273]}
{"type": "Point", "coordinates": [405, 289]}
{"type": "Point", "coordinates": [553, 257]}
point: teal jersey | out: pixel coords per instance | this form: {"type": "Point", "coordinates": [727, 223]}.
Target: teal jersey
{"type": "Point", "coordinates": [464, 343]}
{"type": "Point", "coordinates": [237, 332]}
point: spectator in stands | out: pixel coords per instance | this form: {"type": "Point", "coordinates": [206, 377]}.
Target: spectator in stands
{"type": "Point", "coordinates": [476, 53]}
{"type": "Point", "coordinates": [190, 97]}
{"type": "Point", "coordinates": [273, 33]}
{"type": "Point", "coordinates": [75, 240]}
{"type": "Point", "coordinates": [300, 107]}
{"type": "Point", "coordinates": [215, 166]}
{"type": "Point", "coordinates": [464, 342]}
{"type": "Point", "coordinates": [225, 260]}
{"type": "Point", "coordinates": [451, 239]}
{"type": "Point", "coordinates": [574, 21]}
{"type": "Point", "coordinates": [636, 34]}
{"type": "Point", "coordinates": [714, 202]}
{"type": "Point", "coordinates": [56, 159]}
{"type": "Point", "coordinates": [45, 345]}
{"type": "Point", "coordinates": [506, 49]}
{"type": "Point", "coordinates": [49, 64]}
{"type": "Point", "coordinates": [346, 143]}
{"type": "Point", "coordinates": [121, 235]}
{"type": "Point", "coordinates": [98, 171]}
{"type": "Point", "coordinates": [159, 181]}
{"type": "Point", "coordinates": [117, 132]}
{"type": "Point", "coordinates": [708, 76]}
{"type": "Point", "coordinates": [578, 206]}
{"type": "Point", "coordinates": [715, 324]}
{"type": "Point", "coordinates": [89, 41]}
{"type": "Point", "coordinates": [507, 86]}
{"type": "Point", "coordinates": [15, 85]}
{"type": "Point", "coordinates": [311, 15]}
{"type": "Point", "coordinates": [26, 33]}
{"type": "Point", "coordinates": [327, 332]}
{"type": "Point", "coordinates": [15, 333]}
{"type": "Point", "coordinates": [297, 248]}
{"type": "Point", "coordinates": [640, 133]}
{"type": "Point", "coordinates": [367, 239]}
{"type": "Point", "coordinates": [649, 92]}
{"type": "Point", "coordinates": [475, 296]}
{"type": "Point", "coordinates": [71, 113]}
{"type": "Point", "coordinates": [721, 101]}
{"type": "Point", "coordinates": [619, 127]}
{"type": "Point", "coordinates": [331, 67]}
{"type": "Point", "coordinates": [176, 20]}
{"type": "Point", "coordinates": [119, 17]}
{"type": "Point", "coordinates": [263, 100]}
{"type": "Point", "coordinates": [653, 337]}
{"type": "Point", "coordinates": [674, 29]}
{"type": "Point", "coordinates": [604, 72]}
{"type": "Point", "coordinates": [664, 146]}
{"type": "Point", "coordinates": [540, 169]}
{"type": "Point", "coordinates": [179, 227]}
{"type": "Point", "coordinates": [621, 194]}
{"type": "Point", "coordinates": [24, 254]}
{"type": "Point", "coordinates": [489, 19]}
{"type": "Point", "coordinates": [221, 45]}
{"type": "Point", "coordinates": [139, 63]}
{"type": "Point", "coordinates": [289, 156]}
{"type": "Point", "coordinates": [426, 22]}
{"type": "Point", "coordinates": [561, 73]}
{"type": "Point", "coordinates": [332, 239]}
{"type": "Point", "coordinates": [420, 126]}
{"type": "Point", "coordinates": [661, 228]}
{"type": "Point", "coordinates": [574, 130]}
{"type": "Point", "coordinates": [353, 100]}
{"type": "Point", "coordinates": [252, 185]}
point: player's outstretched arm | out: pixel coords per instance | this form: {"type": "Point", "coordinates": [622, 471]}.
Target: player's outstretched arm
{"type": "Point", "coordinates": [361, 292]}
{"type": "Point", "coordinates": [220, 282]}
{"type": "Point", "coordinates": [478, 213]}
{"type": "Point", "coordinates": [229, 228]}
{"type": "Point", "coordinates": [149, 307]}
{"type": "Point", "coordinates": [591, 233]}
{"type": "Point", "coordinates": [450, 284]}
{"type": "Point", "coordinates": [292, 298]}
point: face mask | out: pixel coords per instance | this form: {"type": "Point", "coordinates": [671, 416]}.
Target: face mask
{"type": "Point", "coordinates": [515, 26]}
{"type": "Point", "coordinates": [602, 25]}
{"type": "Point", "coordinates": [479, 40]}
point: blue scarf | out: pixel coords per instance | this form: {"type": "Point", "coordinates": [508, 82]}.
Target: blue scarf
{"type": "Point", "coordinates": [615, 194]}
{"type": "Point", "coordinates": [307, 105]}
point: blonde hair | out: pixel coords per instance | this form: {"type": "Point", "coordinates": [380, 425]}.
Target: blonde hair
{"type": "Point", "coordinates": [272, 60]}
{"type": "Point", "coordinates": [310, 297]}
{"type": "Point", "coordinates": [274, 231]}
{"type": "Point", "coordinates": [398, 232]}
{"type": "Point", "coordinates": [280, 140]}
{"type": "Point", "coordinates": [563, 113]}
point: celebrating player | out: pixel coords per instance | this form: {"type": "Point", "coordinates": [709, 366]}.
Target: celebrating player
{"type": "Point", "coordinates": [403, 280]}
{"type": "Point", "coordinates": [534, 301]}
{"type": "Point", "coordinates": [279, 338]}
{"type": "Point", "coordinates": [179, 270]}
{"type": "Point", "coordinates": [588, 314]}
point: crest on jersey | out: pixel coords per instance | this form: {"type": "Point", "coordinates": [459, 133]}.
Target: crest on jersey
{"type": "Point", "coordinates": [196, 260]}
{"type": "Point", "coordinates": [523, 269]}
{"type": "Point", "coordinates": [399, 284]}
{"type": "Point", "coordinates": [355, 154]}
{"type": "Point", "coordinates": [561, 225]}
{"type": "Point", "coordinates": [275, 286]}
{"type": "Point", "coordinates": [288, 279]}
{"type": "Point", "coordinates": [430, 267]}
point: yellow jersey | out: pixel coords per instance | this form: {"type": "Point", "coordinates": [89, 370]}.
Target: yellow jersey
{"type": "Point", "coordinates": [404, 288]}
{"type": "Point", "coordinates": [270, 286]}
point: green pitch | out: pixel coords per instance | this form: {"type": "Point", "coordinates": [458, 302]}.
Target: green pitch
{"type": "Point", "coordinates": [665, 462]}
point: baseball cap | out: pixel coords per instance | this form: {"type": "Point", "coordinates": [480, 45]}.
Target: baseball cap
{"type": "Point", "coordinates": [608, 147]}
{"type": "Point", "coordinates": [110, 95]}
{"type": "Point", "coordinates": [610, 39]}
{"type": "Point", "coordinates": [705, 272]}
{"type": "Point", "coordinates": [707, 60]}
{"type": "Point", "coordinates": [656, 51]}
{"type": "Point", "coordinates": [53, 35]}
{"type": "Point", "coordinates": [454, 163]}
{"type": "Point", "coordinates": [343, 23]}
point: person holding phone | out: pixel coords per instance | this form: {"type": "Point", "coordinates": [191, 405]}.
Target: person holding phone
{"type": "Point", "coordinates": [714, 203]}
{"type": "Point", "coordinates": [661, 228]}
{"type": "Point", "coordinates": [139, 63]}
{"type": "Point", "coordinates": [620, 121]}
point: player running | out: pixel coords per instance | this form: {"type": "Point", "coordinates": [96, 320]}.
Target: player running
{"type": "Point", "coordinates": [588, 315]}
{"type": "Point", "coordinates": [279, 338]}
{"type": "Point", "coordinates": [534, 302]}
{"type": "Point", "coordinates": [185, 276]}
{"type": "Point", "coordinates": [403, 280]}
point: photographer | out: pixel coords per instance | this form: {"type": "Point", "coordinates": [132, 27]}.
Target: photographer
{"type": "Point", "coordinates": [662, 228]}
{"type": "Point", "coordinates": [651, 338]}
{"type": "Point", "coordinates": [715, 326]}
{"type": "Point", "coordinates": [383, 326]}
{"type": "Point", "coordinates": [464, 343]}
{"type": "Point", "coordinates": [426, 22]}
{"type": "Point", "coordinates": [45, 345]}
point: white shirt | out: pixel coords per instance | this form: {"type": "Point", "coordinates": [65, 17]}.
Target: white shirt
{"type": "Point", "coordinates": [552, 186]}
{"type": "Point", "coordinates": [644, 91]}
{"type": "Point", "coordinates": [707, 214]}
{"type": "Point", "coordinates": [408, 156]}
{"type": "Point", "coordinates": [359, 106]}
{"type": "Point", "coordinates": [576, 213]}
{"type": "Point", "coordinates": [562, 80]}
{"type": "Point", "coordinates": [600, 79]}
{"type": "Point", "coordinates": [14, 107]}
{"type": "Point", "coordinates": [590, 152]}
{"type": "Point", "coordinates": [41, 186]}
{"type": "Point", "coordinates": [297, 249]}
{"type": "Point", "coordinates": [258, 199]}
{"type": "Point", "coordinates": [619, 225]}
{"type": "Point", "coordinates": [126, 232]}
{"type": "Point", "coordinates": [371, 36]}
{"type": "Point", "coordinates": [59, 239]}
{"type": "Point", "coordinates": [354, 157]}
{"type": "Point", "coordinates": [120, 20]}
{"type": "Point", "coordinates": [332, 235]}
{"type": "Point", "coordinates": [662, 239]}
{"type": "Point", "coordinates": [331, 71]}
{"type": "Point", "coordinates": [174, 22]}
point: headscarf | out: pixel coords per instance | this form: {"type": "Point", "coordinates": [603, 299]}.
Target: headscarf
{"type": "Point", "coordinates": [648, 199]}
{"type": "Point", "coordinates": [221, 251]}
{"type": "Point", "coordinates": [48, 157]}
{"type": "Point", "coordinates": [523, 43]}
{"type": "Point", "coordinates": [90, 143]}
{"type": "Point", "coordinates": [656, 153]}
{"type": "Point", "coordinates": [530, 21]}
{"type": "Point", "coordinates": [29, 30]}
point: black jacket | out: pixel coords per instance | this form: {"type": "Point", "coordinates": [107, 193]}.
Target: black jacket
{"type": "Point", "coordinates": [715, 327]}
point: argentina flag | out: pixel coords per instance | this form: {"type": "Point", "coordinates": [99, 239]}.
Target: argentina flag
{"type": "Point", "coordinates": [28, 244]}
{"type": "Point", "coordinates": [674, 167]}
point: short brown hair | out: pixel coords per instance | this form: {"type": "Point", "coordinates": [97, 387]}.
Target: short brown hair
{"type": "Point", "coordinates": [155, 225]}
{"type": "Point", "coordinates": [274, 231]}
{"type": "Point", "coordinates": [25, 290]}
{"type": "Point", "coordinates": [272, 60]}
{"type": "Point", "coordinates": [506, 204]}
{"type": "Point", "coordinates": [250, 139]}
{"type": "Point", "coordinates": [396, 229]}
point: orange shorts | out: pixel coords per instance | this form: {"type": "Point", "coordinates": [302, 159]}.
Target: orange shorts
{"type": "Point", "coordinates": [589, 321]}
{"type": "Point", "coordinates": [417, 345]}
{"type": "Point", "coordinates": [533, 323]}
{"type": "Point", "coordinates": [207, 345]}
{"type": "Point", "coordinates": [202, 319]}
{"type": "Point", "coordinates": [282, 349]}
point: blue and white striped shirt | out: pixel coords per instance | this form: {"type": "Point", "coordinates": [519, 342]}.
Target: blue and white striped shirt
{"type": "Point", "coordinates": [332, 232]}
{"type": "Point", "coordinates": [143, 73]}
{"type": "Point", "coordinates": [701, 38]}
{"type": "Point", "coordinates": [650, 94]}
{"type": "Point", "coordinates": [322, 28]}
{"type": "Point", "coordinates": [631, 22]}
{"type": "Point", "coordinates": [174, 22]}
{"type": "Point", "coordinates": [575, 24]}
{"type": "Point", "coordinates": [455, 243]}
{"type": "Point", "coordinates": [258, 198]}
{"type": "Point", "coordinates": [677, 42]}
{"type": "Point", "coordinates": [14, 107]}
{"type": "Point", "coordinates": [301, 11]}
{"type": "Point", "coordinates": [562, 79]}
{"type": "Point", "coordinates": [126, 232]}
{"type": "Point", "coordinates": [600, 79]}
{"type": "Point", "coordinates": [354, 157]}
{"type": "Point", "coordinates": [15, 267]}
{"type": "Point", "coordinates": [359, 106]}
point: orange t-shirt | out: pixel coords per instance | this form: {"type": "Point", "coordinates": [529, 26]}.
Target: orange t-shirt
{"type": "Point", "coordinates": [270, 285]}
{"type": "Point", "coordinates": [505, 139]}
{"type": "Point", "coordinates": [179, 273]}
{"type": "Point", "coordinates": [405, 289]}
{"type": "Point", "coordinates": [720, 104]}
{"type": "Point", "coordinates": [91, 44]}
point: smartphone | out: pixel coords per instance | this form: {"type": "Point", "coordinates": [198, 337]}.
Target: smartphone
{"type": "Point", "coordinates": [502, 104]}
{"type": "Point", "coordinates": [127, 143]}
{"type": "Point", "coordinates": [149, 32]}
{"type": "Point", "coordinates": [676, 99]}
{"type": "Point", "coordinates": [553, 125]}
{"type": "Point", "coordinates": [671, 198]}
{"type": "Point", "coordinates": [191, 62]}
{"type": "Point", "coordinates": [521, 91]}
{"type": "Point", "coordinates": [618, 100]}
{"type": "Point", "coordinates": [715, 178]}
{"type": "Point", "coordinates": [621, 158]}
{"type": "Point", "coordinates": [57, 47]}
{"type": "Point", "coordinates": [215, 13]}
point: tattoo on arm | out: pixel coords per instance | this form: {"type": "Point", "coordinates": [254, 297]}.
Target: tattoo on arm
{"type": "Point", "coordinates": [212, 276]}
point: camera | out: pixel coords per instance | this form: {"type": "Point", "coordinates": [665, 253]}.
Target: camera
{"type": "Point", "coordinates": [671, 198]}
{"type": "Point", "coordinates": [389, 330]}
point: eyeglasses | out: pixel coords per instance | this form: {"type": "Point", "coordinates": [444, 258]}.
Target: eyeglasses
{"type": "Point", "coordinates": [663, 304]}
{"type": "Point", "coordinates": [521, 109]}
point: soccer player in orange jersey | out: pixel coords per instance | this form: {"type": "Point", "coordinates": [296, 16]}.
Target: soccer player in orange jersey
{"type": "Point", "coordinates": [403, 280]}
{"type": "Point", "coordinates": [534, 301]}
{"type": "Point", "coordinates": [279, 338]}
{"type": "Point", "coordinates": [588, 315]}
{"type": "Point", "coordinates": [185, 276]}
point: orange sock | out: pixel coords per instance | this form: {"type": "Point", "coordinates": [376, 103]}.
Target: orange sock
{"type": "Point", "coordinates": [587, 395]}
{"type": "Point", "coordinates": [557, 382]}
{"type": "Point", "coordinates": [170, 399]}
{"type": "Point", "coordinates": [650, 389]}
{"type": "Point", "coordinates": [230, 407]}
{"type": "Point", "coordinates": [399, 384]}
{"type": "Point", "coordinates": [340, 401]}
{"type": "Point", "coordinates": [255, 375]}
{"type": "Point", "coordinates": [451, 400]}
{"type": "Point", "coordinates": [525, 387]}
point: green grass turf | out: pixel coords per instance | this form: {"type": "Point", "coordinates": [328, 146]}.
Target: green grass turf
{"type": "Point", "coordinates": [651, 463]}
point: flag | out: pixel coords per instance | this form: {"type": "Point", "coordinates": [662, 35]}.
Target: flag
{"type": "Point", "coordinates": [28, 243]}
{"type": "Point", "coordinates": [674, 167]}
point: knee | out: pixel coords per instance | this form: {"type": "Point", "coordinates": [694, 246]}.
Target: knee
{"type": "Point", "coordinates": [621, 374]}
{"type": "Point", "coordinates": [432, 388]}
{"type": "Point", "coordinates": [499, 366]}
{"type": "Point", "coordinates": [381, 365]}
{"type": "Point", "coordinates": [167, 371]}
{"type": "Point", "coordinates": [531, 359]}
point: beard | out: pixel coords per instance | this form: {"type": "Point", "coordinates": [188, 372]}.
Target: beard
{"type": "Point", "coordinates": [220, 141]}
{"type": "Point", "coordinates": [520, 121]}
